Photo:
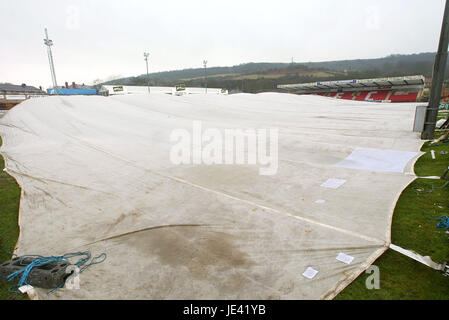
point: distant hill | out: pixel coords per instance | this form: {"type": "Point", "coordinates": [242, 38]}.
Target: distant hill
{"type": "Point", "coordinates": [421, 63]}
{"type": "Point", "coordinates": [257, 77]}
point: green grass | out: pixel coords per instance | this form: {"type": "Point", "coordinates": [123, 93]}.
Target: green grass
{"type": "Point", "coordinates": [9, 229]}
{"type": "Point", "coordinates": [401, 278]}
{"type": "Point", "coordinates": [443, 114]}
{"type": "Point", "coordinates": [426, 166]}
{"type": "Point", "coordinates": [413, 229]}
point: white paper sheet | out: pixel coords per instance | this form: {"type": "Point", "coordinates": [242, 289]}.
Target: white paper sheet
{"type": "Point", "coordinates": [25, 288]}
{"type": "Point", "coordinates": [377, 160]}
{"type": "Point", "coordinates": [333, 183]}
{"type": "Point", "coordinates": [344, 258]}
{"type": "Point", "coordinates": [310, 273]}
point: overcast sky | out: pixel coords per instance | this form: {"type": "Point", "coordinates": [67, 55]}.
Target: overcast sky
{"type": "Point", "coordinates": [100, 39]}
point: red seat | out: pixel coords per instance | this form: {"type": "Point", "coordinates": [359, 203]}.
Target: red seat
{"type": "Point", "coordinates": [362, 96]}
{"type": "Point", "coordinates": [401, 97]}
{"type": "Point", "coordinates": [348, 95]}
{"type": "Point", "coordinates": [379, 95]}
{"type": "Point", "coordinates": [376, 95]}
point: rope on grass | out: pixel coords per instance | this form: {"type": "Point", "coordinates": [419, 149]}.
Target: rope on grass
{"type": "Point", "coordinates": [444, 222]}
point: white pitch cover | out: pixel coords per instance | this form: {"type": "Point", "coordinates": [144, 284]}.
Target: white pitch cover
{"type": "Point", "coordinates": [96, 175]}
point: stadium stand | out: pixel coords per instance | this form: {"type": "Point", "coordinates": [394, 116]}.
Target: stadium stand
{"type": "Point", "coordinates": [398, 89]}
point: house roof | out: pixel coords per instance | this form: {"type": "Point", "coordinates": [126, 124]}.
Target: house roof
{"type": "Point", "coordinates": [19, 88]}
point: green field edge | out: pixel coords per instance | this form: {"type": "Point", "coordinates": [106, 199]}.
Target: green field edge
{"type": "Point", "coordinates": [9, 227]}
{"type": "Point", "coordinates": [413, 228]}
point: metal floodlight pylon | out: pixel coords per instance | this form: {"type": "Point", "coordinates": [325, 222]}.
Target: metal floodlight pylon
{"type": "Point", "coordinates": [437, 79]}
{"type": "Point", "coordinates": [146, 55]}
{"type": "Point", "coordinates": [49, 43]}
{"type": "Point", "coordinates": [205, 73]}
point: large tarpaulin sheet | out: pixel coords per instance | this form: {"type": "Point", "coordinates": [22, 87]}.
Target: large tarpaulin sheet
{"type": "Point", "coordinates": [96, 175]}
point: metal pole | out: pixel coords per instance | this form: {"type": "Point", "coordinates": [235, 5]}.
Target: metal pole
{"type": "Point", "coordinates": [49, 43]}
{"type": "Point", "coordinates": [205, 73]}
{"type": "Point", "coordinates": [437, 79]}
{"type": "Point", "coordinates": [146, 54]}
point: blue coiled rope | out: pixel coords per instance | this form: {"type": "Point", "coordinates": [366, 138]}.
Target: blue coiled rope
{"type": "Point", "coordinates": [444, 222]}
{"type": "Point", "coordinates": [39, 261]}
